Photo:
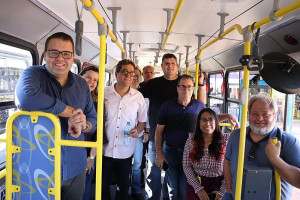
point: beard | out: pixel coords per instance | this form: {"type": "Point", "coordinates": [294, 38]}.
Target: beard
{"type": "Point", "coordinates": [262, 131]}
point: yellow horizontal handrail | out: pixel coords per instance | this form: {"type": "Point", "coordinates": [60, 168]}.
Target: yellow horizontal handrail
{"type": "Point", "coordinates": [174, 17]}
{"type": "Point", "coordinates": [279, 13]}
{"type": "Point", "coordinates": [2, 173]}
{"type": "Point", "coordinates": [78, 143]}
{"type": "Point", "coordinates": [227, 124]}
{"type": "Point", "coordinates": [2, 140]}
{"type": "Point", "coordinates": [232, 28]}
{"type": "Point", "coordinates": [100, 19]}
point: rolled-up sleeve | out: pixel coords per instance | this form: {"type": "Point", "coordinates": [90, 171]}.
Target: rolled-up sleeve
{"type": "Point", "coordinates": [30, 96]}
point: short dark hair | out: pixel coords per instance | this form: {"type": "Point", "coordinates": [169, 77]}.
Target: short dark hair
{"type": "Point", "coordinates": [60, 35]}
{"type": "Point", "coordinates": [124, 62]}
{"type": "Point", "coordinates": [184, 76]}
{"type": "Point", "coordinates": [168, 55]}
{"type": "Point", "coordinates": [136, 68]}
{"type": "Point", "coordinates": [91, 67]}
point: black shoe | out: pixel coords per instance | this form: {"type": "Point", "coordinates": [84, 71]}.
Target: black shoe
{"type": "Point", "coordinates": [137, 197]}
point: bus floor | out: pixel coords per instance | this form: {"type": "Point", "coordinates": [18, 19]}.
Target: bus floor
{"type": "Point", "coordinates": [113, 189]}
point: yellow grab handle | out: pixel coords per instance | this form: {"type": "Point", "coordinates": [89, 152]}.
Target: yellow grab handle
{"type": "Point", "coordinates": [277, 177]}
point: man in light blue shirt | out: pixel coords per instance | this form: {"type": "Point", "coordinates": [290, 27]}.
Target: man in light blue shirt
{"type": "Point", "coordinates": [261, 130]}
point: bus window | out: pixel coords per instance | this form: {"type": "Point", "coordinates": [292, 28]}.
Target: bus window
{"type": "Point", "coordinates": [234, 84]}
{"type": "Point", "coordinates": [216, 105]}
{"type": "Point", "coordinates": [280, 100]}
{"type": "Point", "coordinates": [296, 118]}
{"type": "Point", "coordinates": [107, 79]}
{"type": "Point", "coordinates": [215, 85]}
{"type": "Point", "coordinates": [12, 62]}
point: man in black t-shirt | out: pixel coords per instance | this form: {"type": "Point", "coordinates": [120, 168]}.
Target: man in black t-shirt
{"type": "Point", "coordinates": [159, 90]}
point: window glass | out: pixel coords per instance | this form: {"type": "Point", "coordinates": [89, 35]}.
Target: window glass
{"type": "Point", "coordinates": [296, 120]}
{"type": "Point", "coordinates": [234, 85]}
{"type": "Point", "coordinates": [74, 68]}
{"type": "Point", "coordinates": [234, 109]}
{"type": "Point", "coordinates": [215, 83]}
{"type": "Point", "coordinates": [216, 105]}
{"type": "Point", "coordinates": [12, 62]}
{"type": "Point", "coordinates": [107, 77]}
{"type": "Point", "coordinates": [280, 100]}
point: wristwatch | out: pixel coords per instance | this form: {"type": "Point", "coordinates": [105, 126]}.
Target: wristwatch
{"type": "Point", "coordinates": [146, 132]}
{"type": "Point", "coordinates": [87, 126]}
{"type": "Point", "coordinates": [201, 84]}
{"type": "Point", "coordinates": [92, 157]}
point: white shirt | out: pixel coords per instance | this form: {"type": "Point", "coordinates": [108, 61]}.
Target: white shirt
{"type": "Point", "coordinates": [118, 111]}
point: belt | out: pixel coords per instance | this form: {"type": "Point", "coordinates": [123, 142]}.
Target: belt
{"type": "Point", "coordinates": [175, 148]}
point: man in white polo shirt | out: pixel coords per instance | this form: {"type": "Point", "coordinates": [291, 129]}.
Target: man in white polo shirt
{"type": "Point", "coordinates": [122, 104]}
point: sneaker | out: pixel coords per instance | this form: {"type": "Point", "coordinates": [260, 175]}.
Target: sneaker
{"type": "Point", "coordinates": [137, 197]}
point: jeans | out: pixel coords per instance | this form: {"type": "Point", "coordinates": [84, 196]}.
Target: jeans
{"type": "Point", "coordinates": [153, 181]}
{"type": "Point", "coordinates": [176, 178]}
{"type": "Point", "coordinates": [88, 181]}
{"type": "Point", "coordinates": [136, 167]}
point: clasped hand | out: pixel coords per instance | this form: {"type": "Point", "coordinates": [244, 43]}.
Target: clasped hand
{"type": "Point", "coordinates": [76, 123]}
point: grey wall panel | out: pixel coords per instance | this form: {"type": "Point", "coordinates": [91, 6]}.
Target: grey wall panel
{"type": "Point", "coordinates": [209, 65]}
{"type": "Point", "coordinates": [292, 29]}
{"type": "Point", "coordinates": [231, 57]}
{"type": "Point", "coordinates": [27, 22]}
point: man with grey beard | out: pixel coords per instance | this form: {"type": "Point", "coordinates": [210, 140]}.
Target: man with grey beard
{"type": "Point", "coordinates": [262, 128]}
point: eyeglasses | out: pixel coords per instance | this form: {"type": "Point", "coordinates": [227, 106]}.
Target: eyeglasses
{"type": "Point", "coordinates": [204, 120]}
{"type": "Point", "coordinates": [136, 76]}
{"type": "Point", "coordinates": [125, 73]}
{"type": "Point", "coordinates": [55, 54]}
{"type": "Point", "coordinates": [251, 152]}
{"type": "Point", "coordinates": [183, 87]}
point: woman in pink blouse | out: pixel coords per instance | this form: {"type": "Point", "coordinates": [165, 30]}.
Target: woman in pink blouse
{"type": "Point", "coordinates": [203, 158]}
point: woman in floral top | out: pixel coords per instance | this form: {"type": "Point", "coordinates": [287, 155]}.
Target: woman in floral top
{"type": "Point", "coordinates": [203, 158]}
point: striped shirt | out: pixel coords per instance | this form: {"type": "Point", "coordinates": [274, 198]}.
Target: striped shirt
{"type": "Point", "coordinates": [207, 166]}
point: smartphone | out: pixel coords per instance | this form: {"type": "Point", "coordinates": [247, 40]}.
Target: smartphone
{"type": "Point", "coordinates": [212, 196]}
{"type": "Point", "coordinates": [165, 166]}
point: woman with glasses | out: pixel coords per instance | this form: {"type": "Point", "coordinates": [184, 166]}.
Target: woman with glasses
{"type": "Point", "coordinates": [91, 75]}
{"type": "Point", "coordinates": [203, 158]}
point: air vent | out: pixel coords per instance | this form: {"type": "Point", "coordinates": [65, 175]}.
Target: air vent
{"type": "Point", "coordinates": [150, 47]}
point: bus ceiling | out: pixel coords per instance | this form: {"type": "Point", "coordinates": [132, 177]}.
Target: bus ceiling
{"type": "Point", "coordinates": [147, 22]}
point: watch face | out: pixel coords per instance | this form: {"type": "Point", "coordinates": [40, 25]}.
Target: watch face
{"type": "Point", "coordinates": [92, 157]}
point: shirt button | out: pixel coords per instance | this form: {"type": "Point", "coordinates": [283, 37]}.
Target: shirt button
{"type": "Point", "coordinates": [117, 127]}
{"type": "Point", "coordinates": [120, 108]}
{"type": "Point", "coordinates": [115, 145]}
{"type": "Point", "coordinates": [116, 136]}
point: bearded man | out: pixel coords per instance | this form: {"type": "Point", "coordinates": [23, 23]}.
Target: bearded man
{"type": "Point", "coordinates": [262, 128]}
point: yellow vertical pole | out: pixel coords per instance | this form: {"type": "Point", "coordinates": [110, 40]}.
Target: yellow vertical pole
{"type": "Point", "coordinates": [239, 177]}
{"type": "Point", "coordinates": [100, 114]}
{"type": "Point", "coordinates": [57, 165]}
{"type": "Point", "coordinates": [197, 73]}
{"type": "Point", "coordinates": [8, 178]}
{"type": "Point", "coordinates": [272, 93]}
{"type": "Point", "coordinates": [187, 70]}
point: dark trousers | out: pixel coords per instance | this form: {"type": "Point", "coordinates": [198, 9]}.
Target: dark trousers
{"type": "Point", "coordinates": [73, 189]}
{"type": "Point", "coordinates": [119, 170]}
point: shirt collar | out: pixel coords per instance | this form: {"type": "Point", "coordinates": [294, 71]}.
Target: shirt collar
{"type": "Point", "coordinates": [70, 76]}
{"type": "Point", "coordinates": [111, 89]}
